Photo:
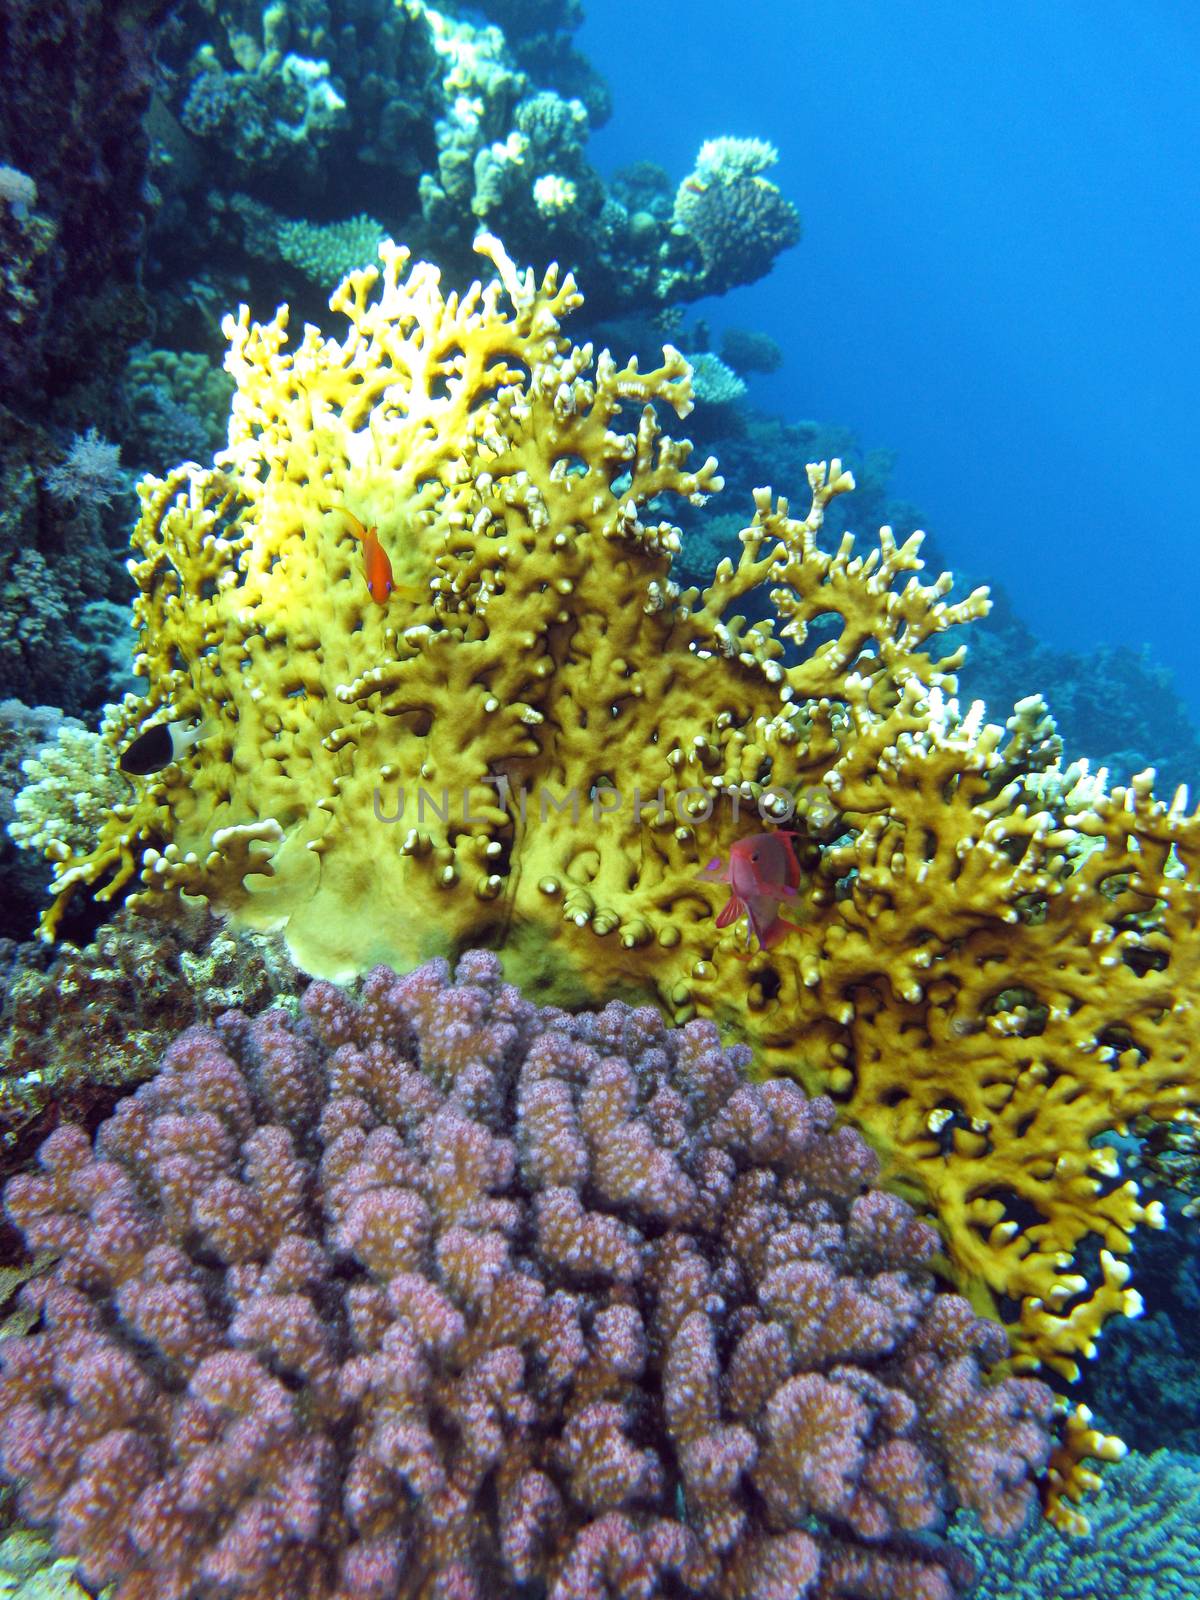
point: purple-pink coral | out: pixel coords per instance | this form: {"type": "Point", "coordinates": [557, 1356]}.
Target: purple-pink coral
{"type": "Point", "coordinates": [439, 1294]}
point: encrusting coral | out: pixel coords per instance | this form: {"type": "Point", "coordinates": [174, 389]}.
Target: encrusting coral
{"type": "Point", "coordinates": [1144, 1545]}
{"type": "Point", "coordinates": [992, 962]}
{"type": "Point", "coordinates": [440, 1294]}
{"type": "Point", "coordinates": [91, 1021]}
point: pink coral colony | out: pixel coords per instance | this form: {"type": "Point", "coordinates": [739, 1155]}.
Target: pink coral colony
{"type": "Point", "coordinates": [442, 1295]}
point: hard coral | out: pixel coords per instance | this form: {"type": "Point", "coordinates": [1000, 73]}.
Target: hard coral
{"type": "Point", "coordinates": [442, 1294]}
{"type": "Point", "coordinates": [1145, 1543]}
{"type": "Point", "coordinates": [77, 1029]}
{"type": "Point", "coordinates": [991, 964]}
{"type": "Point", "coordinates": [737, 219]}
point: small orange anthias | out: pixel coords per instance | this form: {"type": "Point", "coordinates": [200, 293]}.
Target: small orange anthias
{"type": "Point", "coordinates": [375, 558]}
{"type": "Point", "coordinates": [376, 565]}
{"type": "Point", "coordinates": [762, 872]}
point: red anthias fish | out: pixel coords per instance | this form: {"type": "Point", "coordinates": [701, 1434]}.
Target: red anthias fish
{"type": "Point", "coordinates": [377, 569]}
{"type": "Point", "coordinates": [762, 872]}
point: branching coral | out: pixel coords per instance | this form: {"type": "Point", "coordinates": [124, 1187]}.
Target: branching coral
{"type": "Point", "coordinates": [443, 1295]}
{"type": "Point", "coordinates": [991, 963]}
{"type": "Point", "coordinates": [71, 787]}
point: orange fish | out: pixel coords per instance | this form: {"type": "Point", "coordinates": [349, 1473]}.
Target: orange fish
{"type": "Point", "coordinates": [762, 871]}
{"type": "Point", "coordinates": [377, 567]}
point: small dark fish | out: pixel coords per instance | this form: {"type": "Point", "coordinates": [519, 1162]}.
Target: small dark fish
{"type": "Point", "coordinates": [157, 746]}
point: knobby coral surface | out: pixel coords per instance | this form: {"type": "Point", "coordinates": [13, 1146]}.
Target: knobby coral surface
{"type": "Point", "coordinates": [440, 1294]}
{"type": "Point", "coordinates": [738, 219]}
{"type": "Point", "coordinates": [538, 741]}
{"type": "Point", "coordinates": [93, 1020]}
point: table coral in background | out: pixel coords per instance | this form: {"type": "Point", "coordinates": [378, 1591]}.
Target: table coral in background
{"type": "Point", "coordinates": [994, 960]}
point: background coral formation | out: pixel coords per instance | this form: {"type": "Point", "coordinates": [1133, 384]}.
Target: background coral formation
{"type": "Point", "coordinates": [82, 1024]}
{"type": "Point", "coordinates": [1143, 1543]}
{"type": "Point", "coordinates": [738, 219]}
{"type": "Point", "coordinates": [444, 1285]}
{"type": "Point", "coordinates": [439, 124]}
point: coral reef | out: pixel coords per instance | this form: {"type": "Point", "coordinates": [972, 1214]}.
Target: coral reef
{"type": "Point", "coordinates": [1144, 1543]}
{"type": "Point", "coordinates": [436, 123]}
{"type": "Point", "coordinates": [442, 1294]}
{"type": "Point", "coordinates": [737, 219]}
{"type": "Point", "coordinates": [993, 960]}
{"type": "Point", "coordinates": [271, 133]}
{"type": "Point", "coordinates": [92, 1021]}
{"type": "Point", "coordinates": [77, 77]}
{"type": "Point", "coordinates": [75, 204]}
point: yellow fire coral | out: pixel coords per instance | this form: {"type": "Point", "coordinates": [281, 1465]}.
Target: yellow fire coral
{"type": "Point", "coordinates": [993, 961]}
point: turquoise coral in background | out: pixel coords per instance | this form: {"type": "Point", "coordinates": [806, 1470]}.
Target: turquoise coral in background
{"type": "Point", "coordinates": [1144, 1542]}
{"type": "Point", "coordinates": [326, 251]}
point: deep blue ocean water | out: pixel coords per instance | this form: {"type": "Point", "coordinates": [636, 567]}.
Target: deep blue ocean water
{"type": "Point", "coordinates": [1000, 273]}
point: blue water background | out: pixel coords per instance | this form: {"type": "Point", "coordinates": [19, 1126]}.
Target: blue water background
{"type": "Point", "coordinates": [1000, 274]}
